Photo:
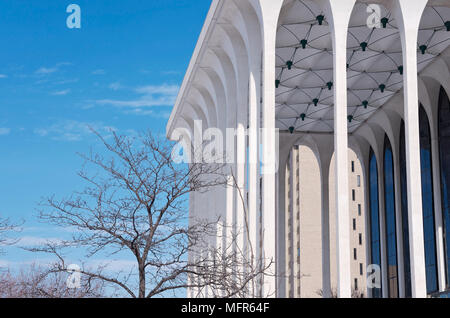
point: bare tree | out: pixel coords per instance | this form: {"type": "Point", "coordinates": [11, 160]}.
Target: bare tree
{"type": "Point", "coordinates": [36, 282]}
{"type": "Point", "coordinates": [6, 227]}
{"type": "Point", "coordinates": [233, 270]}
{"type": "Point", "coordinates": [136, 200]}
{"type": "Point", "coordinates": [355, 293]}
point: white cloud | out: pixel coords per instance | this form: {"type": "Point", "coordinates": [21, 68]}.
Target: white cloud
{"type": "Point", "coordinates": [148, 112]}
{"type": "Point", "coordinates": [5, 263]}
{"type": "Point", "coordinates": [99, 72]}
{"type": "Point", "coordinates": [151, 96]}
{"type": "Point", "coordinates": [161, 89]}
{"type": "Point", "coordinates": [31, 241]}
{"type": "Point", "coordinates": [115, 86]}
{"type": "Point", "coordinates": [49, 70]}
{"type": "Point", "coordinates": [67, 81]}
{"type": "Point", "coordinates": [3, 76]}
{"type": "Point", "coordinates": [171, 72]}
{"type": "Point", "coordinates": [46, 70]}
{"type": "Point", "coordinates": [61, 93]}
{"type": "Point", "coordinates": [17, 265]}
{"type": "Point", "coordinates": [72, 130]}
{"type": "Point", "coordinates": [4, 131]}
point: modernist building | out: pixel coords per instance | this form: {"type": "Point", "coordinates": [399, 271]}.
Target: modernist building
{"type": "Point", "coordinates": [370, 75]}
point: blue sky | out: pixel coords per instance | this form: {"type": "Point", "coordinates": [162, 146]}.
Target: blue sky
{"type": "Point", "coordinates": [122, 69]}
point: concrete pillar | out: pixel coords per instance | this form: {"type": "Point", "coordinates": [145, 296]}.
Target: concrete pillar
{"type": "Point", "coordinates": [253, 173]}
{"type": "Point", "coordinates": [190, 278]}
{"type": "Point", "coordinates": [338, 14]}
{"type": "Point", "coordinates": [367, 215]}
{"type": "Point", "coordinates": [270, 10]}
{"type": "Point", "coordinates": [295, 172]}
{"type": "Point", "coordinates": [290, 226]}
{"type": "Point", "coordinates": [398, 220]}
{"type": "Point", "coordinates": [408, 15]}
{"type": "Point", "coordinates": [382, 218]}
{"type": "Point", "coordinates": [324, 145]}
{"type": "Point", "coordinates": [240, 191]}
{"type": "Point", "coordinates": [440, 248]}
{"type": "Point", "coordinates": [281, 235]}
{"type": "Point", "coordinates": [326, 269]}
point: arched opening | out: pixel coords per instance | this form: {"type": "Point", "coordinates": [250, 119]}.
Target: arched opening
{"type": "Point", "coordinates": [303, 224]}
{"type": "Point", "coordinates": [390, 219]}
{"type": "Point", "coordinates": [374, 217]}
{"type": "Point", "coordinates": [357, 225]}
{"type": "Point", "coordinates": [428, 202]}
{"type": "Point", "coordinates": [429, 232]}
{"type": "Point", "coordinates": [444, 150]}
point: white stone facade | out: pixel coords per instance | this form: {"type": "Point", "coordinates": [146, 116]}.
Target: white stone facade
{"type": "Point", "coordinates": [250, 70]}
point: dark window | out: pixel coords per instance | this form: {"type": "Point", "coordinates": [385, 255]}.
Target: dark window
{"type": "Point", "coordinates": [354, 224]}
{"type": "Point", "coordinates": [428, 202]}
{"type": "Point", "coordinates": [359, 209]}
{"type": "Point", "coordinates": [444, 147]}
{"type": "Point", "coordinates": [391, 235]}
{"type": "Point", "coordinates": [375, 247]}
{"type": "Point", "coordinates": [355, 254]}
{"type": "Point", "coordinates": [353, 195]}
{"type": "Point", "coordinates": [360, 239]}
{"type": "Point", "coordinates": [353, 166]}
{"type": "Point", "coordinates": [361, 270]}
{"type": "Point", "coordinates": [356, 283]}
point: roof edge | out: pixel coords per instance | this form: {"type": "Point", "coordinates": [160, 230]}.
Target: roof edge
{"type": "Point", "coordinates": [213, 12]}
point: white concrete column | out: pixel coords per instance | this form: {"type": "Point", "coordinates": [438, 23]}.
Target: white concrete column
{"type": "Point", "coordinates": [296, 266]}
{"type": "Point", "coordinates": [290, 226]}
{"type": "Point", "coordinates": [382, 219]}
{"type": "Point", "coordinates": [230, 191]}
{"type": "Point", "coordinates": [338, 14]}
{"type": "Point", "coordinates": [190, 278]}
{"type": "Point", "coordinates": [440, 248]}
{"type": "Point", "coordinates": [408, 14]}
{"type": "Point", "coordinates": [398, 221]}
{"type": "Point", "coordinates": [240, 190]}
{"type": "Point", "coordinates": [326, 268]}
{"type": "Point", "coordinates": [253, 173]}
{"type": "Point", "coordinates": [325, 149]}
{"type": "Point", "coordinates": [367, 219]}
{"type": "Point", "coordinates": [282, 265]}
{"type": "Point", "coordinates": [270, 10]}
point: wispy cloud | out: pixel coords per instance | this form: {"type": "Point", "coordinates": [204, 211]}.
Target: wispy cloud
{"type": "Point", "coordinates": [149, 112]}
{"type": "Point", "coordinates": [67, 81]}
{"type": "Point", "coordinates": [171, 72]}
{"type": "Point", "coordinates": [72, 130]}
{"type": "Point", "coordinates": [3, 76]}
{"type": "Point", "coordinates": [4, 131]}
{"type": "Point", "coordinates": [61, 93]}
{"type": "Point", "coordinates": [31, 241]}
{"type": "Point", "coordinates": [49, 70]}
{"type": "Point", "coordinates": [99, 72]}
{"type": "Point", "coordinates": [150, 96]}
{"type": "Point", "coordinates": [115, 86]}
{"type": "Point", "coordinates": [46, 70]}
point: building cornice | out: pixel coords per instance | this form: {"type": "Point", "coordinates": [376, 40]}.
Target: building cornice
{"type": "Point", "coordinates": [208, 27]}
